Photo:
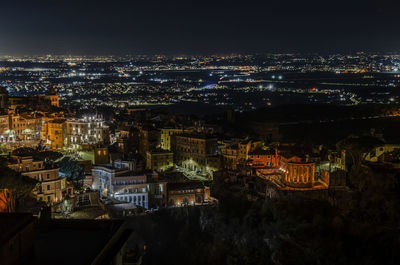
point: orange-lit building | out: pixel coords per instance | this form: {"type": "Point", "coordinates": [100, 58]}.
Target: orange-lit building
{"type": "Point", "coordinates": [6, 201]}
{"type": "Point", "coordinates": [299, 174]}
{"type": "Point", "coordinates": [101, 155]}
{"type": "Point", "coordinates": [247, 146]}
{"type": "Point", "coordinates": [286, 171]}
{"type": "Point", "coordinates": [263, 158]}
{"type": "Point", "coordinates": [53, 98]}
{"type": "Point", "coordinates": [26, 126]}
{"type": "Point", "coordinates": [53, 131]}
{"type": "Point", "coordinates": [238, 152]}
{"type": "Point", "coordinates": [5, 133]}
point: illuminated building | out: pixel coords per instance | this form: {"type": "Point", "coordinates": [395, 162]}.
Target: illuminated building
{"type": "Point", "coordinates": [188, 193]}
{"type": "Point", "coordinates": [85, 132]}
{"type": "Point", "coordinates": [52, 188]}
{"type": "Point", "coordinates": [6, 201]}
{"type": "Point", "coordinates": [101, 155]}
{"type": "Point", "coordinates": [53, 132]}
{"type": "Point", "coordinates": [288, 172]}
{"type": "Point", "coordinates": [380, 151]}
{"type": "Point", "coordinates": [237, 152]}
{"type": "Point", "coordinates": [121, 137]}
{"type": "Point", "coordinates": [230, 157]}
{"type": "Point", "coordinates": [53, 97]}
{"type": "Point", "coordinates": [338, 160]}
{"type": "Point", "coordinates": [245, 147]}
{"type": "Point", "coordinates": [299, 174]}
{"type": "Point", "coordinates": [192, 152]}
{"type": "Point", "coordinates": [159, 160]}
{"type": "Point", "coordinates": [5, 133]}
{"type": "Point", "coordinates": [26, 126]}
{"type": "Point", "coordinates": [131, 188]}
{"type": "Point", "coordinates": [121, 182]}
{"type": "Point", "coordinates": [263, 158]}
{"type": "Point", "coordinates": [166, 134]}
{"type": "Point", "coordinates": [102, 177]}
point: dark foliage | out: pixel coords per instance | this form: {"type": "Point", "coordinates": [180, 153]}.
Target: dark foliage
{"type": "Point", "coordinates": [72, 169]}
{"type": "Point", "coordinates": [47, 156]}
{"type": "Point", "coordinates": [24, 151]}
{"type": "Point", "coordinates": [293, 230]}
{"type": "Point", "coordinates": [20, 186]}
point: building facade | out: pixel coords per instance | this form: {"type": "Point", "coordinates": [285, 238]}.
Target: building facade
{"type": "Point", "coordinates": [188, 193]}
{"type": "Point", "coordinates": [53, 131]}
{"type": "Point", "coordinates": [6, 134]}
{"type": "Point", "coordinates": [26, 126]}
{"type": "Point", "coordinates": [159, 160]}
{"type": "Point", "coordinates": [121, 182]}
{"type": "Point", "coordinates": [85, 132]}
{"type": "Point", "coordinates": [52, 188]}
{"type": "Point", "coordinates": [192, 152]}
{"type": "Point", "coordinates": [166, 136]}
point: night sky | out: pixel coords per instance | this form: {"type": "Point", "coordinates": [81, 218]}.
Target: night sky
{"type": "Point", "coordinates": [197, 27]}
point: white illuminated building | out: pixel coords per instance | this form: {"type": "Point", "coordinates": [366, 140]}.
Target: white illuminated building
{"type": "Point", "coordinates": [85, 131]}
{"type": "Point", "coordinates": [120, 182]}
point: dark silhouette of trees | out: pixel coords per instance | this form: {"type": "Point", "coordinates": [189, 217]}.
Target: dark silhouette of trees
{"type": "Point", "coordinates": [48, 156]}
{"type": "Point", "coordinates": [18, 186]}
{"type": "Point", "coordinates": [72, 169]}
{"type": "Point", "coordinates": [357, 148]}
{"type": "Point", "coordinates": [24, 151]}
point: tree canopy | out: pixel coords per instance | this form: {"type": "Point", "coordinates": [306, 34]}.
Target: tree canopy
{"type": "Point", "coordinates": [18, 185]}
{"type": "Point", "coordinates": [47, 156]}
{"type": "Point", "coordinates": [357, 148]}
{"type": "Point", "coordinates": [72, 169]}
{"type": "Point", "coordinates": [24, 151]}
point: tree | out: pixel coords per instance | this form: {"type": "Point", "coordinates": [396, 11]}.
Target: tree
{"type": "Point", "coordinates": [375, 196]}
{"type": "Point", "coordinates": [48, 156]}
{"type": "Point", "coordinates": [24, 151]}
{"type": "Point", "coordinates": [14, 186]}
{"type": "Point", "coordinates": [3, 148]}
{"type": "Point", "coordinates": [72, 169]}
{"type": "Point", "coordinates": [357, 148]}
{"type": "Point", "coordinates": [67, 207]}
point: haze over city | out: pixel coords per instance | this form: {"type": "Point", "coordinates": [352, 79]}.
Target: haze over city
{"type": "Point", "coordinates": [197, 27]}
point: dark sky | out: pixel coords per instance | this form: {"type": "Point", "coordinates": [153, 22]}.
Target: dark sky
{"type": "Point", "coordinates": [192, 27]}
